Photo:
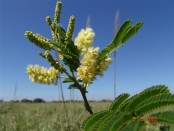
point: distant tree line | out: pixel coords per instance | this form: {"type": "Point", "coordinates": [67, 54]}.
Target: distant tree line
{"type": "Point", "coordinates": [40, 100]}
{"type": "Point", "coordinates": [36, 100]}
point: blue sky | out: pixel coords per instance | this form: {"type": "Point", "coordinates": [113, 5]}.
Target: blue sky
{"type": "Point", "coordinates": [146, 59]}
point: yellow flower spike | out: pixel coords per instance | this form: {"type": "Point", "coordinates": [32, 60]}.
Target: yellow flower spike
{"type": "Point", "coordinates": [36, 68]}
{"type": "Point", "coordinates": [87, 69]}
{"type": "Point", "coordinates": [90, 67]}
{"type": "Point", "coordinates": [40, 78]}
{"type": "Point", "coordinates": [42, 75]}
{"type": "Point", "coordinates": [29, 68]}
{"type": "Point", "coordinates": [43, 71]}
{"type": "Point", "coordinates": [84, 39]}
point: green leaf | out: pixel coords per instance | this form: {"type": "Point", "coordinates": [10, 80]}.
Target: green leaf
{"type": "Point", "coordinates": [147, 103]}
{"type": "Point", "coordinates": [125, 26]}
{"type": "Point", "coordinates": [144, 95]}
{"type": "Point", "coordinates": [124, 33]}
{"type": "Point", "coordinates": [111, 121]}
{"type": "Point", "coordinates": [135, 126]}
{"type": "Point", "coordinates": [156, 103]}
{"type": "Point", "coordinates": [67, 80]}
{"type": "Point", "coordinates": [115, 42]}
{"type": "Point", "coordinates": [166, 117]}
{"type": "Point", "coordinates": [98, 126]}
{"type": "Point", "coordinates": [119, 121]}
{"type": "Point", "coordinates": [131, 32]}
{"type": "Point", "coordinates": [90, 121]}
{"type": "Point", "coordinates": [118, 101]}
{"type": "Point", "coordinates": [73, 86]}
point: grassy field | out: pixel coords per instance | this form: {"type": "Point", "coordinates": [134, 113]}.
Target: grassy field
{"type": "Point", "coordinates": [45, 116]}
{"type": "Point", "coordinates": [18, 116]}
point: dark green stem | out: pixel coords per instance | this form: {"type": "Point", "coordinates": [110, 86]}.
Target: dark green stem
{"type": "Point", "coordinates": [83, 92]}
{"type": "Point", "coordinates": [87, 106]}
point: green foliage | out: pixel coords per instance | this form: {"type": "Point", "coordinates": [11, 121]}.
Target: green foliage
{"type": "Point", "coordinates": [73, 86]}
{"type": "Point", "coordinates": [155, 104]}
{"type": "Point", "coordinates": [145, 95]}
{"type": "Point", "coordinates": [131, 31]}
{"type": "Point", "coordinates": [166, 117]}
{"type": "Point", "coordinates": [67, 80]}
{"type": "Point", "coordinates": [125, 32]}
{"type": "Point", "coordinates": [150, 102]}
{"type": "Point", "coordinates": [90, 121]}
{"type": "Point", "coordinates": [118, 101]}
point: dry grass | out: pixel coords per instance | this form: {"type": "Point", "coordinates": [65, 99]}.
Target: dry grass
{"type": "Point", "coordinates": [49, 116]}
{"type": "Point", "coordinates": [44, 116]}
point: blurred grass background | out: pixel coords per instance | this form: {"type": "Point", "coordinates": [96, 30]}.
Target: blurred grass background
{"type": "Point", "coordinates": [47, 116]}
{"type": "Point", "coordinates": [52, 116]}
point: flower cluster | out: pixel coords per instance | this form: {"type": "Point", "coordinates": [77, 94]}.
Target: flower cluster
{"type": "Point", "coordinates": [87, 69]}
{"type": "Point", "coordinates": [84, 39]}
{"type": "Point", "coordinates": [42, 75]}
{"type": "Point", "coordinates": [90, 66]}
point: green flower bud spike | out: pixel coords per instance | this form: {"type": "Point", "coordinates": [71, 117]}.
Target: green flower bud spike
{"type": "Point", "coordinates": [70, 30]}
{"type": "Point", "coordinates": [53, 32]}
{"type": "Point", "coordinates": [52, 26]}
{"type": "Point", "coordinates": [39, 40]}
{"type": "Point", "coordinates": [52, 62]}
{"type": "Point", "coordinates": [57, 12]}
{"type": "Point", "coordinates": [48, 20]}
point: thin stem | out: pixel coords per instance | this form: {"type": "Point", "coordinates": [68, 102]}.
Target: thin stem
{"type": "Point", "coordinates": [63, 99]}
{"type": "Point", "coordinates": [83, 92]}
{"type": "Point", "coordinates": [114, 74]}
{"type": "Point", "coordinates": [87, 106]}
{"type": "Point", "coordinates": [73, 79]}
{"type": "Point", "coordinates": [72, 73]}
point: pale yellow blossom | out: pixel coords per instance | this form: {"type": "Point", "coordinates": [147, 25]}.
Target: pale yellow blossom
{"type": "Point", "coordinates": [84, 39]}
{"type": "Point", "coordinates": [86, 71]}
{"type": "Point", "coordinates": [42, 75]}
